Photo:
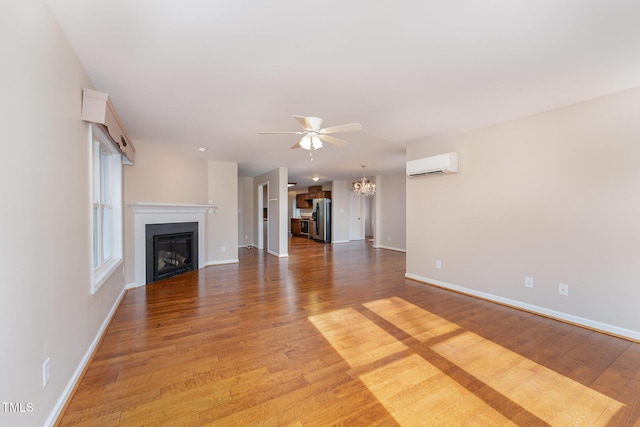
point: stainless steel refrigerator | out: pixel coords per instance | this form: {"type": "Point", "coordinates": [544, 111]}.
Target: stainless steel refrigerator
{"type": "Point", "coordinates": [321, 230]}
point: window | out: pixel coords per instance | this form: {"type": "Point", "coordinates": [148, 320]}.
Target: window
{"type": "Point", "coordinates": [106, 187]}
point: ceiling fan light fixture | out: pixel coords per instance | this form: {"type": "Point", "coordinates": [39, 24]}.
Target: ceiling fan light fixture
{"type": "Point", "coordinates": [315, 179]}
{"type": "Point", "coordinates": [316, 143]}
{"type": "Point", "coordinates": [305, 142]}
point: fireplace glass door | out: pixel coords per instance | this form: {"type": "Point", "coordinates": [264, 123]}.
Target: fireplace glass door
{"type": "Point", "coordinates": [171, 249]}
{"type": "Point", "coordinates": [172, 254]}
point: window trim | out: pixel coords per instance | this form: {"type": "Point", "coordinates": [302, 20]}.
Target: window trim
{"type": "Point", "coordinates": [100, 141]}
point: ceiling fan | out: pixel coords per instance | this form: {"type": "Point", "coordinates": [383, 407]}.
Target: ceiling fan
{"type": "Point", "coordinates": [313, 135]}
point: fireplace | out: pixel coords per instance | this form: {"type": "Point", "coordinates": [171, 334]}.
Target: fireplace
{"type": "Point", "coordinates": [171, 249]}
{"type": "Point", "coordinates": [164, 213]}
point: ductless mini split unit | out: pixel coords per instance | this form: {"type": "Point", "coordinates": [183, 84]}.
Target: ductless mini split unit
{"type": "Point", "coordinates": [434, 165]}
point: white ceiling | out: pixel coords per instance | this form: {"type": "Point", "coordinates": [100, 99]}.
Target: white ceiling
{"type": "Point", "coordinates": [191, 73]}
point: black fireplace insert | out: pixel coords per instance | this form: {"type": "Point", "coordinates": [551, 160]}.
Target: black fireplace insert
{"type": "Point", "coordinates": [171, 249]}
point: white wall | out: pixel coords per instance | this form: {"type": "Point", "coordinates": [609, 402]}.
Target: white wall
{"type": "Point", "coordinates": [222, 224]}
{"type": "Point", "coordinates": [555, 196]}
{"type": "Point", "coordinates": [390, 212]}
{"type": "Point", "coordinates": [46, 308]}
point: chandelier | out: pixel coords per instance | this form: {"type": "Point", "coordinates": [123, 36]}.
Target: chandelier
{"type": "Point", "coordinates": [364, 187]}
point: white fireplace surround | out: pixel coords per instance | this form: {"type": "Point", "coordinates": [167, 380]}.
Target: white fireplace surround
{"type": "Point", "coordinates": [161, 213]}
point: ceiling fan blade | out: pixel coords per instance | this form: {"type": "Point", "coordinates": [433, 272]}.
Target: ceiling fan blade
{"type": "Point", "coordinates": [312, 123]}
{"type": "Point", "coordinates": [332, 140]}
{"type": "Point", "coordinates": [302, 121]}
{"type": "Point", "coordinates": [269, 133]}
{"type": "Point", "coordinates": [351, 127]}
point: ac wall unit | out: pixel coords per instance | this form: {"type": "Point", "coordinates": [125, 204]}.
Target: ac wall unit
{"type": "Point", "coordinates": [434, 165]}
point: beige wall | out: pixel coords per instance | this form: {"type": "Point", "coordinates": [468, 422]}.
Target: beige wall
{"type": "Point", "coordinates": [222, 224]}
{"type": "Point", "coordinates": [160, 176]}
{"type": "Point", "coordinates": [390, 212]}
{"type": "Point", "coordinates": [277, 201]}
{"type": "Point", "coordinates": [339, 212]}
{"type": "Point", "coordinates": [555, 196]}
{"type": "Point", "coordinates": [46, 307]}
{"type": "Point", "coordinates": [245, 212]}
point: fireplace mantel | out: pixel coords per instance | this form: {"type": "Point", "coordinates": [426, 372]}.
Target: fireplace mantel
{"type": "Point", "coordinates": [169, 208]}
{"type": "Point", "coordinates": [157, 213]}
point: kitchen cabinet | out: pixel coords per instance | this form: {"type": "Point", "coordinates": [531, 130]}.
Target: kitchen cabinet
{"type": "Point", "coordinates": [302, 203]}
{"type": "Point", "coordinates": [305, 201]}
{"type": "Point", "coordinates": [295, 227]}
{"type": "Point", "coordinates": [316, 192]}
{"type": "Point", "coordinates": [322, 195]}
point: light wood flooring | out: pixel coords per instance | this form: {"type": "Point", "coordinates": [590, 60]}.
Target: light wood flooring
{"type": "Point", "coordinates": [335, 335]}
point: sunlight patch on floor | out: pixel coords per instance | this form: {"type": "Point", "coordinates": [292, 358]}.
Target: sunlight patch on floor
{"type": "Point", "coordinates": [545, 393]}
{"type": "Point", "coordinates": [358, 340]}
{"type": "Point", "coordinates": [407, 386]}
{"type": "Point", "coordinates": [413, 320]}
{"type": "Point", "coordinates": [414, 391]}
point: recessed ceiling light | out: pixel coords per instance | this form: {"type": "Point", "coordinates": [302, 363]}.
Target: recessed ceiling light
{"type": "Point", "coordinates": [315, 179]}
{"type": "Point", "coordinates": [203, 149]}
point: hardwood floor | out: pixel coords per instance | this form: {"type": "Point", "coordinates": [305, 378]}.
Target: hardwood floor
{"type": "Point", "coordinates": [335, 335]}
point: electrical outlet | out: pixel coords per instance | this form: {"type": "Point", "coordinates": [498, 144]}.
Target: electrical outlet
{"type": "Point", "coordinates": [46, 371]}
{"type": "Point", "coordinates": [223, 249]}
{"type": "Point", "coordinates": [438, 264]}
{"type": "Point", "coordinates": [528, 282]}
{"type": "Point", "coordinates": [563, 289]}
{"type": "Point", "coordinates": [389, 238]}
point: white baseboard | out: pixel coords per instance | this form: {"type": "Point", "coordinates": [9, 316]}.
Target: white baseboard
{"type": "Point", "coordinates": [132, 285]}
{"type": "Point", "coordinates": [341, 241]}
{"type": "Point", "coordinates": [390, 248]}
{"type": "Point", "coordinates": [558, 315]}
{"type": "Point", "coordinates": [66, 393]}
{"type": "Point", "coordinates": [285, 255]}
{"type": "Point", "coordinates": [221, 262]}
